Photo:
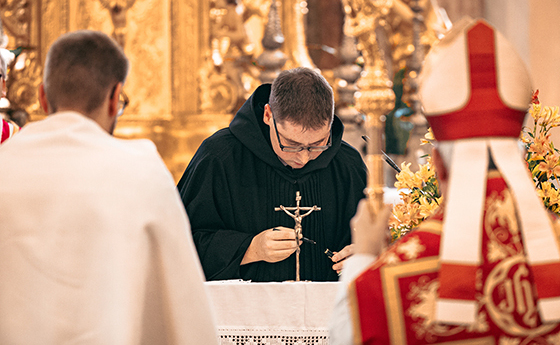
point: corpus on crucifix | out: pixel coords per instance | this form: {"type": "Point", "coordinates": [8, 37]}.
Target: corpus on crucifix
{"type": "Point", "coordinates": [297, 218]}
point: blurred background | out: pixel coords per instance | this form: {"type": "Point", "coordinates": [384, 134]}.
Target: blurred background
{"type": "Point", "coordinates": [194, 62]}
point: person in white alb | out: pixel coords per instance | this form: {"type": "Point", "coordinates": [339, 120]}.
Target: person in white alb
{"type": "Point", "coordinates": [95, 245]}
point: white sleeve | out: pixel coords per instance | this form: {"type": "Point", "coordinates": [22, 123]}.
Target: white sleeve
{"type": "Point", "coordinates": [340, 328]}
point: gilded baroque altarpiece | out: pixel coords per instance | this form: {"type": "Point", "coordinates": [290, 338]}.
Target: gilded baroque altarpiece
{"type": "Point", "coordinates": [194, 62]}
{"type": "Point", "coordinates": [176, 99]}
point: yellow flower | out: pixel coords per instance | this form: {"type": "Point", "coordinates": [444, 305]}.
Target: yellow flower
{"type": "Point", "coordinates": [428, 137]}
{"type": "Point", "coordinates": [549, 116]}
{"type": "Point", "coordinates": [426, 208]}
{"type": "Point", "coordinates": [540, 147]}
{"type": "Point", "coordinates": [525, 138]}
{"type": "Point", "coordinates": [394, 222]}
{"type": "Point", "coordinates": [406, 178]}
{"type": "Point", "coordinates": [535, 111]}
{"type": "Point", "coordinates": [550, 166]}
{"type": "Point", "coordinates": [407, 214]}
{"type": "Point", "coordinates": [425, 172]}
{"type": "Point", "coordinates": [548, 191]}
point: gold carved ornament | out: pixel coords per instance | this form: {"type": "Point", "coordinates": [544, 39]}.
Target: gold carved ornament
{"type": "Point", "coordinates": [118, 9]}
{"type": "Point", "coordinates": [25, 71]}
{"type": "Point", "coordinates": [375, 97]}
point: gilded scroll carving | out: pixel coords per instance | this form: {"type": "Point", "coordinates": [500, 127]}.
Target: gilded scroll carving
{"type": "Point", "coordinates": [227, 75]}
{"type": "Point", "coordinates": [24, 80]}
{"type": "Point", "coordinates": [16, 18]}
{"type": "Point", "coordinates": [25, 71]}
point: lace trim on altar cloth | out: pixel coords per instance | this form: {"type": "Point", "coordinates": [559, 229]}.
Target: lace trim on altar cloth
{"type": "Point", "coordinates": [260, 336]}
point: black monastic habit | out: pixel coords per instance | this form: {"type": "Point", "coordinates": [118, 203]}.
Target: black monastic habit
{"type": "Point", "coordinates": [234, 182]}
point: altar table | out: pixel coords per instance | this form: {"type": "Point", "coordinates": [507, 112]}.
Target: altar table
{"type": "Point", "coordinates": [289, 313]}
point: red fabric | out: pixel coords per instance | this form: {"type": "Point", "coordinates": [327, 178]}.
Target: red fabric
{"type": "Point", "coordinates": [374, 306]}
{"type": "Point", "coordinates": [485, 115]}
{"type": "Point", "coordinates": [457, 281]}
{"type": "Point", "coordinates": [5, 131]}
{"type": "Point", "coordinates": [547, 279]}
{"type": "Point", "coordinates": [372, 301]}
{"type": "Point", "coordinates": [505, 289]}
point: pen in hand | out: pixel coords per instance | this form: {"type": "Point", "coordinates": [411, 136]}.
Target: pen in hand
{"type": "Point", "coordinates": [307, 240]}
{"type": "Point", "coordinates": [327, 251]}
{"type": "Point", "coordinates": [304, 239]}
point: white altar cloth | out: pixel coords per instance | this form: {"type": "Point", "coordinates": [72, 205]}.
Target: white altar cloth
{"type": "Point", "coordinates": [286, 313]}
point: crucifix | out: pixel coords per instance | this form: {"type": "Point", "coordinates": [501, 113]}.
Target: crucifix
{"type": "Point", "coordinates": [297, 218]}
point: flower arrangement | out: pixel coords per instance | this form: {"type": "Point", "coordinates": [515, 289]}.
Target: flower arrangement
{"type": "Point", "coordinates": [419, 191]}
{"type": "Point", "coordinates": [542, 157]}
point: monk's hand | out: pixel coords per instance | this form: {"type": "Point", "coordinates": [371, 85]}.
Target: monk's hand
{"type": "Point", "coordinates": [271, 245]}
{"type": "Point", "coordinates": [338, 257]}
{"type": "Point", "coordinates": [370, 234]}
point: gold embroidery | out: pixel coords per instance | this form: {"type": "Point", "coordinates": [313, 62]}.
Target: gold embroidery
{"type": "Point", "coordinates": [391, 258]}
{"type": "Point", "coordinates": [501, 227]}
{"type": "Point", "coordinates": [554, 338]}
{"type": "Point", "coordinates": [477, 341]}
{"type": "Point", "coordinates": [496, 252]}
{"type": "Point", "coordinates": [481, 324]}
{"type": "Point", "coordinates": [431, 226]}
{"type": "Point", "coordinates": [509, 341]}
{"type": "Point", "coordinates": [423, 311]}
{"type": "Point", "coordinates": [411, 248]}
{"type": "Point", "coordinates": [390, 281]}
{"type": "Point", "coordinates": [508, 293]}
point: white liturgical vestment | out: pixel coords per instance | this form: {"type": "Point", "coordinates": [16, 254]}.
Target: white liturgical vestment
{"type": "Point", "coordinates": [95, 246]}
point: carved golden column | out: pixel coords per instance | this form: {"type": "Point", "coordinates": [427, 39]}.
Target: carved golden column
{"type": "Point", "coordinates": [272, 58]}
{"type": "Point", "coordinates": [293, 28]}
{"type": "Point", "coordinates": [375, 97]}
{"type": "Point", "coordinates": [345, 85]}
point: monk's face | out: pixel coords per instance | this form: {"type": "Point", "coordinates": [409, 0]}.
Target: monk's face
{"type": "Point", "coordinates": [286, 136]}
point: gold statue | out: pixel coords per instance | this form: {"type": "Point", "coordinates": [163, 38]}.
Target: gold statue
{"type": "Point", "coordinates": [227, 76]}
{"type": "Point", "coordinates": [118, 9]}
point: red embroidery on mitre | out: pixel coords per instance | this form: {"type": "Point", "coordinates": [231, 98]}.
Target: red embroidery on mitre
{"type": "Point", "coordinates": [485, 114]}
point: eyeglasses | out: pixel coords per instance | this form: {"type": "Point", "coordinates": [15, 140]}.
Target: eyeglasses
{"type": "Point", "coordinates": [122, 103]}
{"type": "Point", "coordinates": [301, 148]}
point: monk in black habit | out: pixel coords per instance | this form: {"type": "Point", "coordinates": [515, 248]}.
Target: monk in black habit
{"type": "Point", "coordinates": [284, 139]}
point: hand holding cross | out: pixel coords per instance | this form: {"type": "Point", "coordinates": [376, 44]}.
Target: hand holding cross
{"type": "Point", "coordinates": [297, 217]}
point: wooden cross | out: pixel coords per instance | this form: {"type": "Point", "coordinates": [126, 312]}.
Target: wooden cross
{"type": "Point", "coordinates": [297, 218]}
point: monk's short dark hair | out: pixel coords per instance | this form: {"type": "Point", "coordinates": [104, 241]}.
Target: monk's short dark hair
{"type": "Point", "coordinates": [81, 68]}
{"type": "Point", "coordinates": [303, 97]}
